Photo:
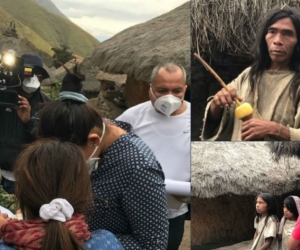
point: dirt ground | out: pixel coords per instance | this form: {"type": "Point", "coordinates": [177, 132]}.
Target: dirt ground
{"type": "Point", "coordinates": [246, 245]}
{"type": "Point", "coordinates": [186, 241]}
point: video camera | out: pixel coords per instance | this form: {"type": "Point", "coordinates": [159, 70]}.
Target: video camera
{"type": "Point", "coordinates": [12, 72]}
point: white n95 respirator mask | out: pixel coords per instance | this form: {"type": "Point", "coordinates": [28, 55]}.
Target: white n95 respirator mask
{"type": "Point", "coordinates": [167, 104]}
{"type": "Point", "coordinates": [31, 84]}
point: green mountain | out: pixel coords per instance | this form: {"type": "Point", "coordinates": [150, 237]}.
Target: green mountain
{"type": "Point", "coordinates": [50, 6]}
{"type": "Point", "coordinates": [43, 29]}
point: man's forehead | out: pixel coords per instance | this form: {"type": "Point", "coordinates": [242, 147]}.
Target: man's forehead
{"type": "Point", "coordinates": [285, 22]}
{"type": "Point", "coordinates": [170, 69]}
{"type": "Point", "coordinates": [169, 73]}
{"type": "Point", "coordinates": [175, 80]}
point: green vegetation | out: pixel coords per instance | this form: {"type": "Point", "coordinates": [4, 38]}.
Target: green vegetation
{"type": "Point", "coordinates": [61, 55]}
{"type": "Point", "coordinates": [55, 87]}
{"type": "Point", "coordinates": [44, 29]}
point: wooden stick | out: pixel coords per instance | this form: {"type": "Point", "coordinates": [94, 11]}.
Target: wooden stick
{"type": "Point", "coordinates": [215, 75]}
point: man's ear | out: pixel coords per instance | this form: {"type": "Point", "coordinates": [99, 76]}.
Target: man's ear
{"type": "Point", "coordinates": [94, 139]}
{"type": "Point", "coordinates": [185, 87]}
{"type": "Point", "coordinates": [149, 90]}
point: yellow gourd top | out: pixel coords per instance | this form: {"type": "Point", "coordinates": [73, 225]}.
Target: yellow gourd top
{"type": "Point", "coordinates": [243, 110]}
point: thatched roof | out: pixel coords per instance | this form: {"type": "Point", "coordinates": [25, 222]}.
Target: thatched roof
{"type": "Point", "coordinates": [240, 168]}
{"type": "Point", "coordinates": [138, 49]}
{"type": "Point", "coordinates": [284, 149]}
{"type": "Point", "coordinates": [228, 25]}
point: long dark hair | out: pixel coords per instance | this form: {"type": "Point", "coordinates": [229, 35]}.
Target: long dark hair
{"type": "Point", "coordinates": [68, 121]}
{"type": "Point", "coordinates": [262, 60]}
{"type": "Point", "coordinates": [271, 203]}
{"type": "Point", "coordinates": [290, 204]}
{"type": "Point", "coordinates": [49, 169]}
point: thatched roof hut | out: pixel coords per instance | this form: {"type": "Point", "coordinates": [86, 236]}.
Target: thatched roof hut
{"type": "Point", "coordinates": [228, 25]}
{"type": "Point", "coordinates": [138, 49]}
{"type": "Point", "coordinates": [223, 32]}
{"type": "Point", "coordinates": [240, 169]}
{"type": "Point", "coordinates": [226, 177]}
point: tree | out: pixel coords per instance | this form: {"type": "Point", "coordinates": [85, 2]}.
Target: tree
{"type": "Point", "coordinates": [61, 55]}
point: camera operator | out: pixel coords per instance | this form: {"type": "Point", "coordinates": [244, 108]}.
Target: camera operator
{"type": "Point", "coordinates": [18, 123]}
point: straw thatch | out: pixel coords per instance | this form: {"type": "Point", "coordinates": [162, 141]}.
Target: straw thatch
{"type": "Point", "coordinates": [240, 168]}
{"type": "Point", "coordinates": [283, 149]}
{"type": "Point", "coordinates": [138, 49]}
{"type": "Point", "coordinates": [228, 25]}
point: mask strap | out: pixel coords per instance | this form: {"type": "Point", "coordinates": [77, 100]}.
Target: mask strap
{"type": "Point", "coordinates": [94, 151]}
{"type": "Point", "coordinates": [103, 132]}
{"type": "Point", "coordinates": [152, 92]}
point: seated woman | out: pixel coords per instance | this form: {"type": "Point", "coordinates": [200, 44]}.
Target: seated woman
{"type": "Point", "coordinates": [54, 191]}
{"type": "Point", "coordinates": [127, 180]}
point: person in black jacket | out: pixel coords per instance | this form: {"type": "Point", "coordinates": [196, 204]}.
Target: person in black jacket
{"type": "Point", "coordinates": [18, 123]}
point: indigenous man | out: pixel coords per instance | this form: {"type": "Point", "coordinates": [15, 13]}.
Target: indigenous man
{"type": "Point", "coordinates": [270, 85]}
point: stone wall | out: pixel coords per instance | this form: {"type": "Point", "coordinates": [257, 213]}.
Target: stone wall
{"type": "Point", "coordinates": [109, 100]}
{"type": "Point", "coordinates": [107, 108]}
{"type": "Point", "coordinates": [203, 84]}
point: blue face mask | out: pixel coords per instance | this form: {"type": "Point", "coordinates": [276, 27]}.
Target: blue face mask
{"type": "Point", "coordinates": [92, 163]}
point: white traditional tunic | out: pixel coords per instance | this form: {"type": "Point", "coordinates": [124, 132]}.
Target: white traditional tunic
{"type": "Point", "coordinates": [270, 101]}
{"type": "Point", "coordinates": [266, 231]}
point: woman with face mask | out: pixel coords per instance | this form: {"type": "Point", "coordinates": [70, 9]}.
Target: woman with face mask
{"type": "Point", "coordinates": [127, 180]}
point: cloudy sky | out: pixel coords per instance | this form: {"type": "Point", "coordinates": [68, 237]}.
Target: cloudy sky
{"type": "Point", "coordinates": [103, 18]}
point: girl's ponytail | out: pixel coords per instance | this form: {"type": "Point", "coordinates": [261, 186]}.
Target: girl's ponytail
{"type": "Point", "coordinates": [55, 172]}
{"type": "Point", "coordinates": [58, 236]}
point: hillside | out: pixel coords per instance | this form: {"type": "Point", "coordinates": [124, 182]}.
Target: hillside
{"type": "Point", "coordinates": [44, 29]}
{"type": "Point", "coordinates": [47, 4]}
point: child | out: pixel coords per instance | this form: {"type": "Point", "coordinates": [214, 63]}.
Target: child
{"type": "Point", "coordinates": [53, 188]}
{"type": "Point", "coordinates": [291, 208]}
{"type": "Point", "coordinates": [265, 223]}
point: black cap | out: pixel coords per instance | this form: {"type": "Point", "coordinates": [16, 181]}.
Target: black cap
{"type": "Point", "coordinates": [36, 61]}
